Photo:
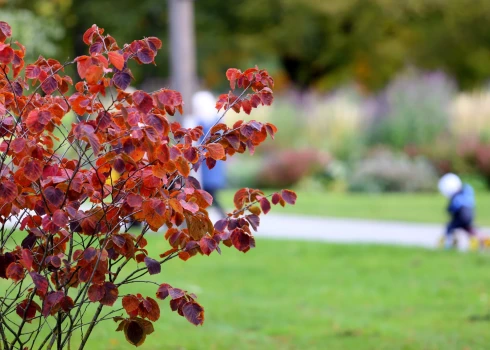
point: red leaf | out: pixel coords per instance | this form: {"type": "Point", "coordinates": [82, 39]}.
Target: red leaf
{"type": "Point", "coordinates": [163, 291]}
{"type": "Point", "coordinates": [121, 80]}
{"type": "Point", "coordinates": [152, 309]}
{"type": "Point", "coordinates": [136, 330]}
{"type": "Point", "coordinates": [210, 163]}
{"type": "Point", "coordinates": [18, 145]}
{"type": "Point", "coordinates": [134, 200]}
{"type": "Point", "coordinates": [189, 206]}
{"type": "Point", "coordinates": [154, 42]}
{"type": "Point", "coordinates": [276, 198]}
{"type": "Point", "coordinates": [116, 59]}
{"type": "Point", "coordinates": [93, 74]}
{"type": "Point", "coordinates": [254, 221]}
{"type": "Point", "coordinates": [176, 293]}
{"type": "Point", "coordinates": [247, 106]}
{"type": "Point", "coordinates": [193, 312]}
{"type": "Point", "coordinates": [89, 254]}
{"type": "Point", "coordinates": [6, 54]}
{"type": "Point", "coordinates": [5, 260]}
{"type": "Point", "coordinates": [216, 151]}
{"type": "Point", "coordinates": [221, 225]}
{"type": "Point", "coordinates": [110, 295]}
{"type": "Point", "coordinates": [169, 98]}
{"type": "Point", "coordinates": [289, 196]}
{"type": "Point", "coordinates": [142, 101]}
{"type": "Point", "coordinates": [51, 301]}
{"type": "Point", "coordinates": [40, 282]}
{"type": "Point", "coordinates": [86, 131]}
{"type": "Point", "coordinates": [154, 213]}
{"type": "Point", "coordinates": [232, 75]}
{"type": "Point", "coordinates": [15, 272]}
{"type": "Point", "coordinates": [8, 191]}
{"type": "Point", "coordinates": [265, 205]}
{"type": "Point", "coordinates": [182, 166]}
{"type": "Point", "coordinates": [54, 260]}
{"type": "Point", "coordinates": [241, 196]}
{"type": "Point", "coordinates": [207, 245]}
{"type": "Point", "coordinates": [89, 34]}
{"type": "Point", "coordinates": [96, 292]}
{"type": "Point", "coordinates": [130, 303]}
{"type": "Point", "coordinates": [67, 303]}
{"type": "Point", "coordinates": [5, 31]}
{"type": "Point", "coordinates": [233, 140]}
{"type": "Point", "coordinates": [191, 154]}
{"type": "Point", "coordinates": [27, 313]}
{"type": "Point", "coordinates": [242, 240]}
{"type": "Point", "coordinates": [96, 48]}
{"type": "Point", "coordinates": [49, 85]}
{"type": "Point", "coordinates": [153, 266]}
{"type": "Point", "coordinates": [145, 55]}
{"type": "Point", "coordinates": [27, 259]}
{"type": "Point", "coordinates": [255, 101]}
{"type": "Point", "coordinates": [60, 218]}
{"type": "Point", "coordinates": [266, 97]}
{"type": "Point", "coordinates": [37, 120]}
{"type": "Point", "coordinates": [33, 170]}
{"type": "Point", "coordinates": [271, 129]}
{"type": "Point", "coordinates": [54, 196]}
{"type": "Point", "coordinates": [30, 240]}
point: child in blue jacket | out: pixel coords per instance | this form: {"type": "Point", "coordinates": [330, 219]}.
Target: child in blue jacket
{"type": "Point", "coordinates": [461, 209]}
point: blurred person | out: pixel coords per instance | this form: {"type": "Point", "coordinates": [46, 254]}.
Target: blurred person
{"type": "Point", "coordinates": [212, 180]}
{"type": "Point", "coordinates": [461, 209]}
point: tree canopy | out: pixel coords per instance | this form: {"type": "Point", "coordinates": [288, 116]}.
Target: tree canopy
{"type": "Point", "coordinates": [309, 43]}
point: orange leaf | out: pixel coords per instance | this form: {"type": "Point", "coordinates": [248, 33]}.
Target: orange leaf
{"type": "Point", "coordinates": [116, 59]}
{"type": "Point", "coordinates": [94, 74]}
{"type": "Point", "coordinates": [216, 151]}
{"type": "Point", "coordinates": [183, 166]}
{"type": "Point", "coordinates": [130, 303]}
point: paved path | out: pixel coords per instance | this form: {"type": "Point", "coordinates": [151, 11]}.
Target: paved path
{"type": "Point", "coordinates": [352, 231]}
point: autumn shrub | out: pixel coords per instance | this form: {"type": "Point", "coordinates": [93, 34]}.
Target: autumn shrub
{"type": "Point", "coordinates": [131, 163]}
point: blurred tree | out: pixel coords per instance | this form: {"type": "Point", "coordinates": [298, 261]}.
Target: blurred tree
{"type": "Point", "coordinates": [314, 43]}
{"type": "Point", "coordinates": [453, 36]}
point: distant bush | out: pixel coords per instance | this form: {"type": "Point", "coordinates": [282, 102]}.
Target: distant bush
{"type": "Point", "coordinates": [290, 166]}
{"type": "Point", "coordinates": [470, 117]}
{"type": "Point", "coordinates": [413, 110]}
{"type": "Point", "coordinates": [41, 36]}
{"type": "Point", "coordinates": [384, 171]}
{"type": "Point", "coordinates": [476, 155]}
{"type": "Point", "coordinates": [335, 123]}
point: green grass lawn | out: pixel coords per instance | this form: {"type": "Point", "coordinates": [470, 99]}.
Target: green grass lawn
{"type": "Point", "coordinates": [398, 207]}
{"type": "Point", "coordinates": [302, 295]}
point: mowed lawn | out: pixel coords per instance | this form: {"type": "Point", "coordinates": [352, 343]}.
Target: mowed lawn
{"type": "Point", "coordinates": [302, 295]}
{"type": "Point", "coordinates": [391, 206]}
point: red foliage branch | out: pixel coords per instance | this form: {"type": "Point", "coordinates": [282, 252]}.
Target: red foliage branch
{"type": "Point", "coordinates": [76, 173]}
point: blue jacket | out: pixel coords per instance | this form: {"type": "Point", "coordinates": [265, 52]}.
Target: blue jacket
{"type": "Point", "coordinates": [464, 198]}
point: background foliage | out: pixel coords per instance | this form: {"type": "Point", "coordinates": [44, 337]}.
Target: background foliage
{"type": "Point", "coordinates": [313, 43]}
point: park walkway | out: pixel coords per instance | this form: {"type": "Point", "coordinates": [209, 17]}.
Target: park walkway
{"type": "Point", "coordinates": [351, 230]}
